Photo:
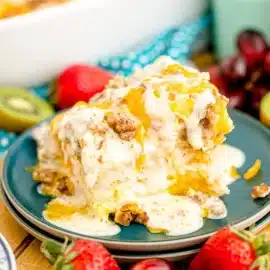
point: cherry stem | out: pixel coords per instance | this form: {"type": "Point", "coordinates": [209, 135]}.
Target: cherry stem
{"type": "Point", "coordinates": [255, 76]}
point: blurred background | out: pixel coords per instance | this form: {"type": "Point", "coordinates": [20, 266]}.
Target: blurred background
{"type": "Point", "coordinates": [49, 43]}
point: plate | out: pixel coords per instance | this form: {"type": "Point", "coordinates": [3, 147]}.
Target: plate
{"type": "Point", "coordinates": [122, 257]}
{"type": "Point", "coordinates": [249, 135]}
{"type": "Point", "coordinates": [7, 259]}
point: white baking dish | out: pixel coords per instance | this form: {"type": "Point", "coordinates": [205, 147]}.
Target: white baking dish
{"type": "Point", "coordinates": [36, 46]}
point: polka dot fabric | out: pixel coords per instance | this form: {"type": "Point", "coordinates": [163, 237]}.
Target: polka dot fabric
{"type": "Point", "coordinates": [176, 43]}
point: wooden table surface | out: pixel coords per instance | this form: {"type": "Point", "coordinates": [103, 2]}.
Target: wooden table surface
{"type": "Point", "coordinates": [25, 246]}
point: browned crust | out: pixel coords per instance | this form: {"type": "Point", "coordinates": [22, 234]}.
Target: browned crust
{"type": "Point", "coordinates": [130, 213]}
{"type": "Point", "coordinates": [123, 125]}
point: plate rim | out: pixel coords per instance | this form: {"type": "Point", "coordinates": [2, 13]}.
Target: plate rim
{"type": "Point", "coordinates": [132, 245]}
{"type": "Point", "coordinates": [10, 255]}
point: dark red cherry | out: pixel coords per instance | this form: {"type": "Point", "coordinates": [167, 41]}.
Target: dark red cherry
{"type": "Point", "coordinates": [237, 99]}
{"type": "Point", "coordinates": [234, 68]}
{"type": "Point", "coordinates": [252, 46]}
{"type": "Point", "coordinates": [217, 78]}
{"type": "Point", "coordinates": [267, 63]}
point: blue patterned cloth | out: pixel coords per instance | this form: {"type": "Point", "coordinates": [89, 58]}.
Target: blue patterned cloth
{"type": "Point", "coordinates": [6, 139]}
{"type": "Point", "coordinates": [176, 43]}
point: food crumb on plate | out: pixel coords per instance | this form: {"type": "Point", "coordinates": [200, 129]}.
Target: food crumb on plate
{"type": "Point", "coordinates": [260, 191]}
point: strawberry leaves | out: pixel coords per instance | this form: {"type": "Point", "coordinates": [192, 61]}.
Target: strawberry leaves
{"type": "Point", "coordinates": [59, 255]}
{"type": "Point", "coordinates": [260, 243]}
{"type": "Point", "coordinates": [261, 263]}
{"type": "Point", "coordinates": [78, 255]}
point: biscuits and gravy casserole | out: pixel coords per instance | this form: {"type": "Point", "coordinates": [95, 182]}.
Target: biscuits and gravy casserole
{"type": "Point", "coordinates": [148, 149]}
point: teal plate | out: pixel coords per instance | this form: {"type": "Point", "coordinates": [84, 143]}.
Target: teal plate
{"type": "Point", "coordinates": [122, 256]}
{"type": "Point", "coordinates": [249, 135]}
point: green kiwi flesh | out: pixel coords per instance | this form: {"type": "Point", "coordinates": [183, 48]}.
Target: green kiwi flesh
{"type": "Point", "coordinates": [20, 109]}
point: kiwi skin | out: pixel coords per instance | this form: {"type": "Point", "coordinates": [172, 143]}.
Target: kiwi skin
{"type": "Point", "coordinates": [20, 109]}
{"type": "Point", "coordinates": [265, 110]}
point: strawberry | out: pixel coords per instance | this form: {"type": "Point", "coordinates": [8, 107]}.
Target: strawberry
{"type": "Point", "coordinates": [152, 264]}
{"type": "Point", "coordinates": [80, 255]}
{"type": "Point", "coordinates": [78, 83]}
{"type": "Point", "coordinates": [233, 250]}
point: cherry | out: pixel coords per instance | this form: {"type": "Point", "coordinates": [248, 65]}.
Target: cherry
{"type": "Point", "coordinates": [257, 94]}
{"type": "Point", "coordinates": [152, 264]}
{"type": "Point", "coordinates": [217, 78]}
{"type": "Point", "coordinates": [252, 46]}
{"type": "Point", "coordinates": [267, 62]}
{"type": "Point", "coordinates": [234, 68]}
{"type": "Point", "coordinates": [237, 99]}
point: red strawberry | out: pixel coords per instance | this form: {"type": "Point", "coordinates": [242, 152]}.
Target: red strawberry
{"type": "Point", "coordinates": [79, 83]}
{"type": "Point", "coordinates": [81, 255]}
{"type": "Point", "coordinates": [152, 264]}
{"type": "Point", "coordinates": [233, 250]}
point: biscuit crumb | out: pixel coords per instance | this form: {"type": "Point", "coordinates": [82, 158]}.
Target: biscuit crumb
{"type": "Point", "coordinates": [130, 213]}
{"type": "Point", "coordinates": [260, 191]}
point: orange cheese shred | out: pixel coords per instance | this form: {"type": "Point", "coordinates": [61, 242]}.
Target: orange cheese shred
{"type": "Point", "coordinates": [253, 170]}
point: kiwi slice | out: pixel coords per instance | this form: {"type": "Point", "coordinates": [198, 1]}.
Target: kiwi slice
{"type": "Point", "coordinates": [265, 110]}
{"type": "Point", "coordinates": [20, 109]}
